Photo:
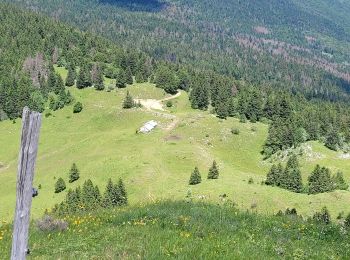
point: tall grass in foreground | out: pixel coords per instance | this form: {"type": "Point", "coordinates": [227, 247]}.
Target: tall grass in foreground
{"type": "Point", "coordinates": [186, 231]}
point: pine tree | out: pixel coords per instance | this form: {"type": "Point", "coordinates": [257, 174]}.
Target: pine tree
{"type": "Point", "coordinates": [73, 173]}
{"type": "Point", "coordinates": [108, 198]}
{"type": "Point", "coordinates": [195, 177]}
{"type": "Point", "coordinates": [51, 81]}
{"type": "Point", "coordinates": [339, 182]}
{"type": "Point", "coordinates": [128, 76]}
{"type": "Point", "coordinates": [84, 77]}
{"type": "Point", "coordinates": [59, 86]}
{"type": "Point", "coordinates": [222, 110]}
{"type": "Point", "coordinates": [123, 199]}
{"type": "Point", "coordinates": [98, 79]}
{"type": "Point", "coordinates": [320, 181]}
{"type": "Point", "coordinates": [128, 101]}
{"type": "Point", "coordinates": [60, 185]}
{"type": "Point", "coordinates": [333, 140]}
{"type": "Point", "coordinates": [272, 175]}
{"type": "Point", "coordinates": [70, 80]}
{"type": "Point", "coordinates": [292, 176]}
{"type": "Point", "coordinates": [121, 79]}
{"type": "Point", "coordinates": [87, 195]}
{"type": "Point", "coordinates": [213, 172]}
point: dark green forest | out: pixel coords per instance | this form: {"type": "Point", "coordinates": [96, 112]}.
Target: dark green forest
{"type": "Point", "coordinates": [287, 44]}
{"type": "Point", "coordinates": [300, 101]}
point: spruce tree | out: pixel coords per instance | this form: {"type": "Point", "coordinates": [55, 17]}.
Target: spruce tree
{"type": "Point", "coordinates": [128, 101]}
{"type": "Point", "coordinates": [123, 198]}
{"type": "Point", "coordinates": [128, 76]}
{"type": "Point", "coordinates": [195, 177]}
{"type": "Point", "coordinates": [121, 79]}
{"type": "Point", "coordinates": [98, 79]}
{"type": "Point", "coordinates": [59, 86]}
{"type": "Point", "coordinates": [84, 77]}
{"type": "Point", "coordinates": [51, 81]}
{"type": "Point", "coordinates": [339, 182]}
{"type": "Point", "coordinates": [70, 80]}
{"type": "Point", "coordinates": [108, 198]}
{"type": "Point", "coordinates": [292, 176]}
{"type": "Point", "coordinates": [213, 172]}
{"type": "Point", "coordinates": [73, 173]}
{"type": "Point", "coordinates": [320, 181]}
{"type": "Point", "coordinates": [60, 185]}
{"type": "Point", "coordinates": [271, 178]}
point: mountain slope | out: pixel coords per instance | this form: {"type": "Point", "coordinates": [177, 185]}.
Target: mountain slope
{"type": "Point", "coordinates": [180, 230]}
{"type": "Point", "coordinates": [288, 44]}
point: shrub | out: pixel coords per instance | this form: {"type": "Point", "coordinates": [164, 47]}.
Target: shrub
{"type": "Point", "coordinates": [60, 185]}
{"type": "Point", "coordinates": [169, 103]}
{"type": "Point", "coordinates": [213, 172]}
{"type": "Point", "coordinates": [195, 177]}
{"type": "Point", "coordinates": [74, 174]}
{"type": "Point", "coordinates": [323, 216]}
{"type": "Point", "coordinates": [347, 222]}
{"type": "Point", "coordinates": [250, 181]}
{"type": "Point", "coordinates": [235, 131]}
{"type": "Point", "coordinates": [48, 223]}
{"type": "Point", "coordinates": [242, 118]}
{"type": "Point", "coordinates": [78, 107]}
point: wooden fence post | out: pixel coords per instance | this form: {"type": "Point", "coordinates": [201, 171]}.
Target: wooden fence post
{"type": "Point", "coordinates": [31, 122]}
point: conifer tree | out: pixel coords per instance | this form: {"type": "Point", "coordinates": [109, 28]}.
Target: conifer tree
{"type": "Point", "coordinates": [123, 198]}
{"type": "Point", "coordinates": [128, 101]}
{"type": "Point", "coordinates": [70, 80]}
{"type": "Point", "coordinates": [60, 185]}
{"type": "Point", "coordinates": [74, 174]}
{"type": "Point", "coordinates": [88, 196]}
{"type": "Point", "coordinates": [51, 81]}
{"type": "Point", "coordinates": [59, 86]}
{"type": "Point", "coordinates": [84, 77]}
{"type": "Point", "coordinates": [195, 177]}
{"type": "Point", "coordinates": [292, 176]}
{"type": "Point", "coordinates": [121, 79]}
{"type": "Point", "coordinates": [99, 82]}
{"type": "Point", "coordinates": [213, 172]}
{"type": "Point", "coordinates": [108, 198]}
{"type": "Point", "coordinates": [128, 76]}
{"type": "Point", "coordinates": [271, 178]}
{"type": "Point", "coordinates": [339, 182]}
{"type": "Point", "coordinates": [320, 180]}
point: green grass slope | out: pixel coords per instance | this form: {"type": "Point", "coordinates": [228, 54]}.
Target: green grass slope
{"type": "Point", "coordinates": [181, 230]}
{"type": "Point", "coordinates": [102, 141]}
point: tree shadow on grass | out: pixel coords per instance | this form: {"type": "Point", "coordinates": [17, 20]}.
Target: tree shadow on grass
{"type": "Point", "coordinates": [137, 5]}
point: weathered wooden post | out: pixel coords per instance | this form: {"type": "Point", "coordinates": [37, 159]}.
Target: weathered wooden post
{"type": "Point", "coordinates": [31, 122]}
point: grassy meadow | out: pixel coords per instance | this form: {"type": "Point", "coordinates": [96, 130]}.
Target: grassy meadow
{"type": "Point", "coordinates": [102, 141]}
{"type": "Point", "coordinates": [184, 230]}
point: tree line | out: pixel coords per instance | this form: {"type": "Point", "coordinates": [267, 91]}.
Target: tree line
{"type": "Point", "coordinates": [319, 181]}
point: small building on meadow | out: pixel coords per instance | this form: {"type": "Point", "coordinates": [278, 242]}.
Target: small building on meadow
{"type": "Point", "coordinates": [148, 127]}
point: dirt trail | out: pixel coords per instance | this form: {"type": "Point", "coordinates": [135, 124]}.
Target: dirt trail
{"type": "Point", "coordinates": [154, 104]}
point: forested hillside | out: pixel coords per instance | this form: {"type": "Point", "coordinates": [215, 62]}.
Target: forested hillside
{"type": "Point", "coordinates": [40, 43]}
{"type": "Point", "coordinates": [295, 45]}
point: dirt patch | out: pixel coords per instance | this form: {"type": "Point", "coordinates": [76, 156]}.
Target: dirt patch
{"type": "Point", "coordinates": [154, 104]}
{"type": "Point", "coordinates": [172, 138]}
{"type": "Point", "coordinates": [262, 30]}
